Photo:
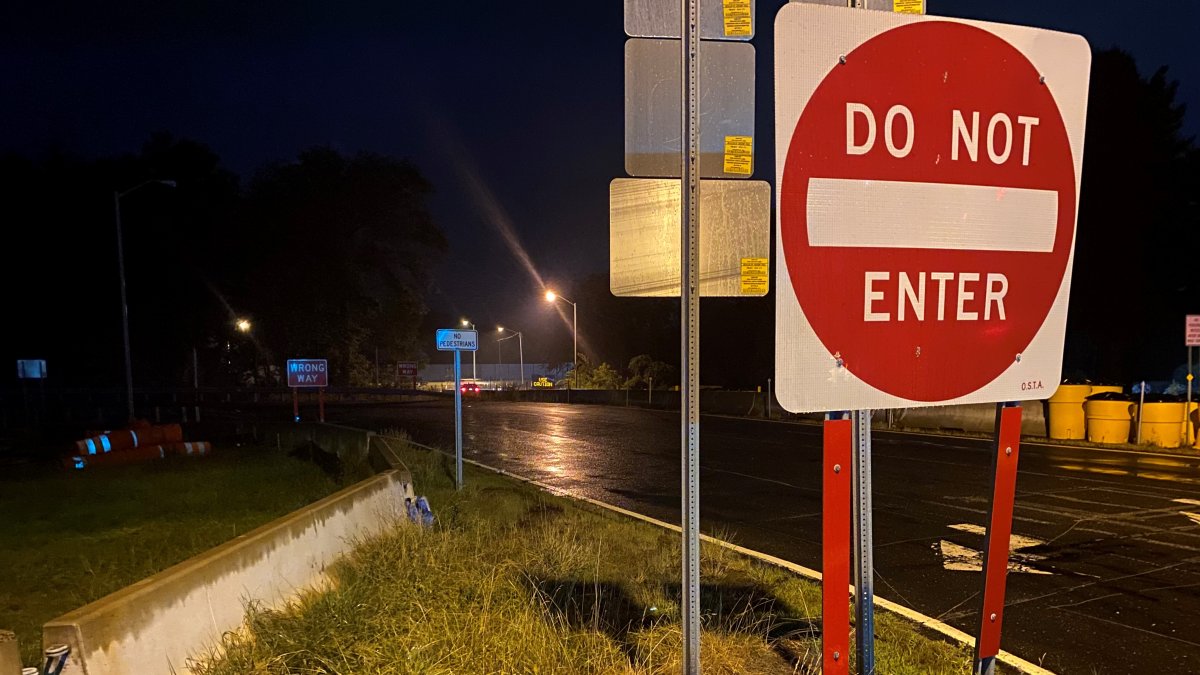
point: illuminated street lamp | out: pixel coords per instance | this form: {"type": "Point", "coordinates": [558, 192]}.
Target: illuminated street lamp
{"type": "Point", "coordinates": [243, 325]}
{"type": "Point", "coordinates": [520, 347]}
{"type": "Point", "coordinates": [551, 296]}
{"type": "Point", "coordinates": [124, 302]}
{"type": "Point", "coordinates": [474, 376]}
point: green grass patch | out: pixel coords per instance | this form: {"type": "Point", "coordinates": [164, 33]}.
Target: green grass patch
{"type": "Point", "coordinates": [513, 580]}
{"type": "Point", "coordinates": [69, 538]}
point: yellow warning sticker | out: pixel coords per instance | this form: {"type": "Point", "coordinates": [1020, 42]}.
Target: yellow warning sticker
{"type": "Point", "coordinates": [908, 6]}
{"type": "Point", "coordinates": [739, 155]}
{"type": "Point", "coordinates": [755, 276]}
{"type": "Point", "coordinates": [737, 18]}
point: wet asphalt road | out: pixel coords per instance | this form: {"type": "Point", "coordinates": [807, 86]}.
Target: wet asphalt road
{"type": "Point", "coordinates": [1111, 584]}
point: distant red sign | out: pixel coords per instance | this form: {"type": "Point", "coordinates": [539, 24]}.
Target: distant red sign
{"type": "Point", "coordinates": [1192, 331]}
{"type": "Point", "coordinates": [406, 369]}
{"type": "Point", "coordinates": [308, 373]}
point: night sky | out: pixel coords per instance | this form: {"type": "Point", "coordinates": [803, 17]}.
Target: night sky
{"type": "Point", "coordinates": [513, 111]}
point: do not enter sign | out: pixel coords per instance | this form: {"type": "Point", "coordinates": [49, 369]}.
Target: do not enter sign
{"type": "Point", "coordinates": [928, 175]}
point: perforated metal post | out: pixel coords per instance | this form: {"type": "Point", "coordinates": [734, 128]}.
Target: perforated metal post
{"type": "Point", "coordinates": [864, 562]}
{"type": "Point", "coordinates": [458, 478]}
{"type": "Point", "coordinates": [690, 333]}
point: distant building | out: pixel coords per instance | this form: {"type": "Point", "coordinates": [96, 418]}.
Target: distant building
{"type": "Point", "coordinates": [440, 376]}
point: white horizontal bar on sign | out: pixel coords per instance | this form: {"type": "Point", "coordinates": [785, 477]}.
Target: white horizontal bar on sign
{"type": "Point", "coordinates": [897, 214]}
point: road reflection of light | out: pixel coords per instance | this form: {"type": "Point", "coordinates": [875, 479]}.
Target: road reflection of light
{"type": "Point", "coordinates": [1152, 475]}
{"type": "Point", "coordinates": [555, 451]}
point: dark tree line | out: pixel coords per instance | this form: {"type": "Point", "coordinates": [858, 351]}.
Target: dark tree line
{"type": "Point", "coordinates": [1135, 272]}
{"type": "Point", "coordinates": [327, 256]}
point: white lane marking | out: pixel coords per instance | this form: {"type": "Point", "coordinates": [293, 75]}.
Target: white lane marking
{"type": "Point", "coordinates": [1189, 502]}
{"type": "Point", "coordinates": [1015, 541]}
{"type": "Point", "coordinates": [959, 558]}
{"type": "Point", "coordinates": [1195, 517]}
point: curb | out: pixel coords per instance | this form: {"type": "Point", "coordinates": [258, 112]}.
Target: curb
{"type": "Point", "coordinates": [928, 622]}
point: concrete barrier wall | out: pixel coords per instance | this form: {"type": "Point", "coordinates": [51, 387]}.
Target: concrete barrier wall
{"type": "Point", "coordinates": [979, 418]}
{"type": "Point", "coordinates": [156, 625]}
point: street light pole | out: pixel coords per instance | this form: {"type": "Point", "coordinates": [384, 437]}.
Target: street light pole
{"type": "Point", "coordinates": [551, 296]}
{"type": "Point", "coordinates": [474, 375]}
{"type": "Point", "coordinates": [520, 348]}
{"type": "Point", "coordinates": [124, 300]}
{"type": "Point", "coordinates": [124, 308]}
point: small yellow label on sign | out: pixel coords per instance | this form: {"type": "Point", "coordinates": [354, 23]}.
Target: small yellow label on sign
{"type": "Point", "coordinates": [739, 155]}
{"type": "Point", "coordinates": [908, 6]}
{"type": "Point", "coordinates": [737, 18]}
{"type": "Point", "coordinates": [755, 276]}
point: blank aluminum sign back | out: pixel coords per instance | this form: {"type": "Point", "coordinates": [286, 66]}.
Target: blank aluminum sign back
{"type": "Point", "coordinates": [644, 237]}
{"type": "Point", "coordinates": [660, 19]}
{"type": "Point", "coordinates": [653, 116]}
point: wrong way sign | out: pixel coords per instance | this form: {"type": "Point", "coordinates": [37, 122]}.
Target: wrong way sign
{"type": "Point", "coordinates": [928, 175]}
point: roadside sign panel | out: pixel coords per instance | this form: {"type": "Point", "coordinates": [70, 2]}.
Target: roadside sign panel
{"type": "Point", "coordinates": [653, 111]}
{"type": "Point", "coordinates": [928, 176]}
{"type": "Point", "coordinates": [719, 19]}
{"type": "Point", "coordinates": [644, 237]}
{"type": "Point", "coordinates": [406, 369]}
{"type": "Point", "coordinates": [1191, 331]}
{"type": "Point", "coordinates": [308, 373]}
{"type": "Point", "coordinates": [454, 339]}
{"type": "Point", "coordinates": [31, 369]}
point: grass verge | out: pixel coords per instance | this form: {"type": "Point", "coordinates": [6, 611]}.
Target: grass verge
{"type": "Point", "coordinates": [71, 538]}
{"type": "Point", "coordinates": [514, 580]}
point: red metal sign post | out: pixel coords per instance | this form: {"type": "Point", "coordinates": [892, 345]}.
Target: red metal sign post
{"type": "Point", "coordinates": [835, 546]}
{"type": "Point", "coordinates": [995, 551]}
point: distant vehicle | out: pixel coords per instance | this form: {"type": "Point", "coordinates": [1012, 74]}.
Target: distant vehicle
{"type": "Point", "coordinates": [469, 389]}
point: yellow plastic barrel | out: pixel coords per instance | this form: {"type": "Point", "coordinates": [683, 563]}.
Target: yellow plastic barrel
{"type": "Point", "coordinates": [1192, 425]}
{"type": "Point", "coordinates": [1108, 421]}
{"type": "Point", "coordinates": [1162, 424]}
{"type": "Point", "coordinates": [1067, 419]}
{"type": "Point", "coordinates": [1101, 388]}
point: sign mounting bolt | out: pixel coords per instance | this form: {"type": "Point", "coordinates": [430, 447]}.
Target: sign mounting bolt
{"type": "Point", "coordinates": [1008, 450]}
{"type": "Point", "coordinates": [837, 468]}
{"type": "Point", "coordinates": [842, 60]}
{"type": "Point", "coordinates": [993, 616]}
{"type": "Point", "coordinates": [1041, 79]}
{"type": "Point", "coordinates": [1018, 358]}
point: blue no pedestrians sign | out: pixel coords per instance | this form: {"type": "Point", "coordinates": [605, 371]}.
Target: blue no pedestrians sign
{"type": "Point", "coordinates": [455, 340]}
